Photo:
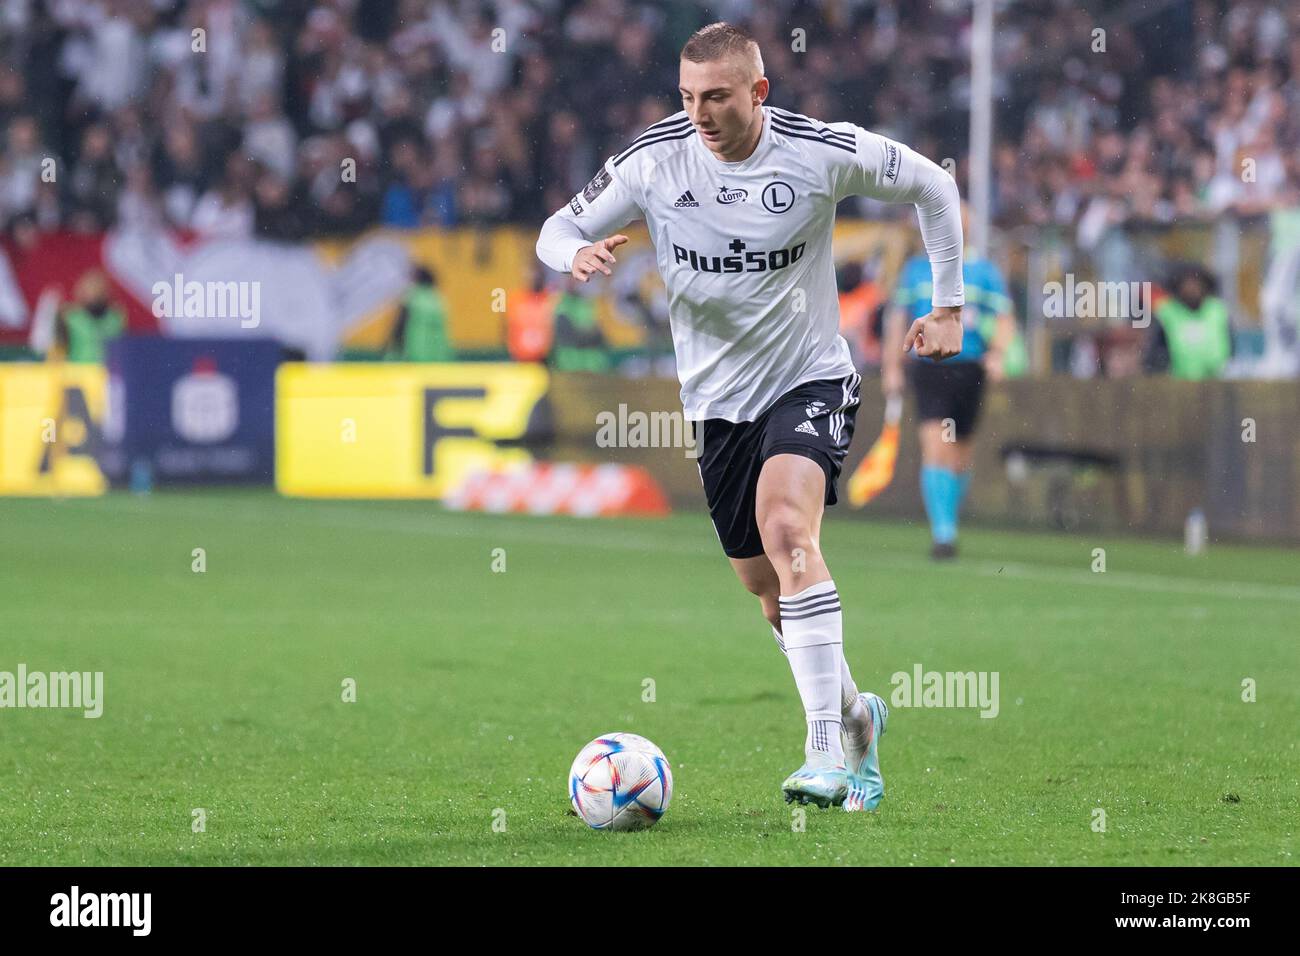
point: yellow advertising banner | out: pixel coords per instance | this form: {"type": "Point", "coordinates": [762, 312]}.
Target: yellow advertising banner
{"type": "Point", "coordinates": [398, 430]}
{"type": "Point", "coordinates": [50, 427]}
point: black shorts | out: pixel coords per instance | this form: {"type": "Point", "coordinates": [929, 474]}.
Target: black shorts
{"type": "Point", "coordinates": [814, 419]}
{"type": "Point", "coordinates": [949, 390]}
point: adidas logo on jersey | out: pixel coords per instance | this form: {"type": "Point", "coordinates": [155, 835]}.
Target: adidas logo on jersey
{"type": "Point", "coordinates": [686, 199]}
{"type": "Point", "coordinates": [806, 428]}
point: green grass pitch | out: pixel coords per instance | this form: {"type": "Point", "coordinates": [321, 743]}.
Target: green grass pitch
{"type": "Point", "coordinates": [1120, 691]}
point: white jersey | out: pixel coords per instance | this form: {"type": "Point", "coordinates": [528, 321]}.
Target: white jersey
{"type": "Point", "coordinates": [745, 248]}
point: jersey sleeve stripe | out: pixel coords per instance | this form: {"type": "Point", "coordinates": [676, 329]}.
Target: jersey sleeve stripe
{"type": "Point", "coordinates": [671, 121]}
{"type": "Point", "coordinates": [666, 137]}
{"type": "Point", "coordinates": [803, 122]}
{"type": "Point", "coordinates": [812, 137]}
{"type": "Point", "coordinates": [659, 130]}
{"type": "Point", "coordinates": [799, 118]}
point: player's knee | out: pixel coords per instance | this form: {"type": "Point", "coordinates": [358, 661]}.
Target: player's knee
{"type": "Point", "coordinates": [787, 534]}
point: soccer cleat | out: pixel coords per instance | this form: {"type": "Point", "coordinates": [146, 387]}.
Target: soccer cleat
{"type": "Point", "coordinates": [824, 786]}
{"type": "Point", "coordinates": [866, 785]}
{"type": "Point", "coordinates": [943, 551]}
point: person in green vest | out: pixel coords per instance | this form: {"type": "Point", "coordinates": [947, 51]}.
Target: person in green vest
{"type": "Point", "coordinates": [578, 345]}
{"type": "Point", "coordinates": [420, 332]}
{"type": "Point", "coordinates": [90, 322]}
{"type": "Point", "coordinates": [1192, 336]}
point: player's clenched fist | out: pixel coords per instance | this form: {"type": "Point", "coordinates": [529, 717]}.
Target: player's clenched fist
{"type": "Point", "coordinates": [592, 258]}
{"type": "Point", "coordinates": [937, 335]}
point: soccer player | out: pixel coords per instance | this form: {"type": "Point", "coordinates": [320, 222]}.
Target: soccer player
{"type": "Point", "coordinates": [739, 200]}
{"type": "Point", "coordinates": [948, 396]}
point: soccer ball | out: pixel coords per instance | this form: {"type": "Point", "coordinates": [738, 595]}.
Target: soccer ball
{"type": "Point", "coordinates": [620, 782]}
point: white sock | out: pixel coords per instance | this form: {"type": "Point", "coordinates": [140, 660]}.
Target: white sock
{"type": "Point", "coordinates": [857, 721]}
{"type": "Point", "coordinates": [811, 629]}
{"type": "Point", "coordinates": [852, 711]}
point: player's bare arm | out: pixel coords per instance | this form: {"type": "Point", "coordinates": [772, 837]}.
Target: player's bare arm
{"type": "Point", "coordinates": [891, 352]}
{"type": "Point", "coordinates": [996, 354]}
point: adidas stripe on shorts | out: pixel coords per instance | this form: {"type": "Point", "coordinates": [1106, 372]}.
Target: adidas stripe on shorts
{"type": "Point", "coordinates": [814, 419]}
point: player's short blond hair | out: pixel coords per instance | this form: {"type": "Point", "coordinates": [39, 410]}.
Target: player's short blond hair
{"type": "Point", "coordinates": [720, 40]}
